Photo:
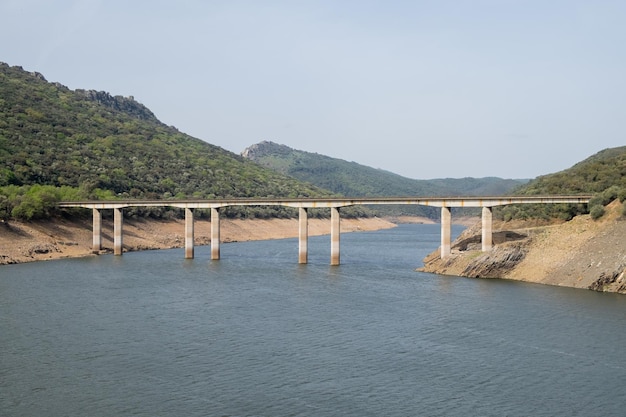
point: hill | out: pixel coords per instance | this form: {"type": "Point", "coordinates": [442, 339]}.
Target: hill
{"type": "Point", "coordinates": [581, 253]}
{"type": "Point", "coordinates": [353, 179]}
{"type": "Point", "coordinates": [588, 251]}
{"type": "Point", "coordinates": [595, 174]}
{"type": "Point", "coordinates": [602, 174]}
{"type": "Point", "coordinates": [61, 143]}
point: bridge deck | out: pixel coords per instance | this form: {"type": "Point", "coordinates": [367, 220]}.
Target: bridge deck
{"type": "Point", "coordinates": [469, 201]}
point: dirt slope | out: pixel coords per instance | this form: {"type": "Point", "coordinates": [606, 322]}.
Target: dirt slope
{"type": "Point", "coordinates": [581, 253]}
{"type": "Point", "coordinates": [33, 241]}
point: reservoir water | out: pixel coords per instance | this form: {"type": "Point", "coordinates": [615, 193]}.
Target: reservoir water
{"type": "Point", "coordinates": [256, 334]}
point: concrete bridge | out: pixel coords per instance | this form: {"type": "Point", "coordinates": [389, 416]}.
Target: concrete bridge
{"type": "Point", "coordinates": [303, 204]}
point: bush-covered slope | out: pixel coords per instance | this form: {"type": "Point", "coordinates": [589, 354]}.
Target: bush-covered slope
{"type": "Point", "coordinates": [595, 174]}
{"type": "Point", "coordinates": [110, 146]}
{"type": "Point", "coordinates": [602, 175]}
{"type": "Point", "coordinates": [52, 135]}
{"type": "Point", "coordinates": [352, 179]}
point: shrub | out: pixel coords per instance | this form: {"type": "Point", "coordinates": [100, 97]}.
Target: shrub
{"type": "Point", "coordinates": [596, 212]}
{"type": "Point", "coordinates": [606, 196]}
{"type": "Point", "coordinates": [5, 207]}
{"type": "Point", "coordinates": [596, 200]}
{"type": "Point", "coordinates": [34, 201]}
{"type": "Point", "coordinates": [37, 201]}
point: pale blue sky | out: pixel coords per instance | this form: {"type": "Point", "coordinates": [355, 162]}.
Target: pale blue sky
{"type": "Point", "coordinates": [426, 89]}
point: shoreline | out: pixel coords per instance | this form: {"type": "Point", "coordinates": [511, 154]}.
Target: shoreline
{"type": "Point", "coordinates": [22, 242]}
{"type": "Point", "coordinates": [580, 253]}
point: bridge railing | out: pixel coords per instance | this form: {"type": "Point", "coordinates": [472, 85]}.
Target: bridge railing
{"type": "Point", "coordinates": [465, 201]}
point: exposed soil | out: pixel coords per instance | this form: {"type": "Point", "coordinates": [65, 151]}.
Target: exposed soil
{"type": "Point", "coordinates": [62, 238]}
{"type": "Point", "coordinates": [581, 253]}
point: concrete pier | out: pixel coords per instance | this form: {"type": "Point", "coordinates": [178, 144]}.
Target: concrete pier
{"type": "Point", "coordinates": [303, 236]}
{"type": "Point", "coordinates": [335, 233]}
{"type": "Point", "coordinates": [189, 235]}
{"type": "Point", "coordinates": [97, 231]}
{"type": "Point", "coordinates": [487, 236]}
{"type": "Point", "coordinates": [118, 236]}
{"type": "Point", "coordinates": [445, 231]}
{"type": "Point", "coordinates": [215, 234]}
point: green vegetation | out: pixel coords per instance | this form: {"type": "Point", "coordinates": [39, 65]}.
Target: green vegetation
{"type": "Point", "coordinates": [599, 201]}
{"type": "Point", "coordinates": [60, 144]}
{"type": "Point", "coordinates": [352, 179]}
{"type": "Point", "coordinates": [91, 145]}
{"type": "Point", "coordinates": [38, 201]}
{"type": "Point", "coordinates": [596, 212]}
{"type": "Point", "coordinates": [602, 175]}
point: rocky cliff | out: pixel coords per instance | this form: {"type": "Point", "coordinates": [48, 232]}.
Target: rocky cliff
{"type": "Point", "coordinates": [580, 253]}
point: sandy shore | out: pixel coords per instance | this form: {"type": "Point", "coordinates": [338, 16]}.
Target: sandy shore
{"type": "Point", "coordinates": [62, 238]}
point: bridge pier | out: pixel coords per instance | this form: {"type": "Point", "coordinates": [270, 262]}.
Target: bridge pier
{"type": "Point", "coordinates": [487, 234]}
{"type": "Point", "coordinates": [118, 237]}
{"type": "Point", "coordinates": [97, 231]}
{"type": "Point", "coordinates": [335, 232]}
{"type": "Point", "coordinates": [445, 231]}
{"type": "Point", "coordinates": [303, 236]}
{"type": "Point", "coordinates": [189, 233]}
{"type": "Point", "coordinates": [215, 234]}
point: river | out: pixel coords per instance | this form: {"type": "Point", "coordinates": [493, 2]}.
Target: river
{"type": "Point", "coordinates": [256, 334]}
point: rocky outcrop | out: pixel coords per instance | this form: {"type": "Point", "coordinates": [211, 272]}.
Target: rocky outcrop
{"type": "Point", "coordinates": [127, 105]}
{"type": "Point", "coordinates": [468, 260]}
{"type": "Point", "coordinates": [497, 263]}
{"type": "Point", "coordinates": [40, 249]}
{"type": "Point", "coordinates": [265, 148]}
{"type": "Point", "coordinates": [611, 282]}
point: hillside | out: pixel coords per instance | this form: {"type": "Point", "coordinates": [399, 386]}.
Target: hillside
{"type": "Point", "coordinates": [580, 253]}
{"type": "Point", "coordinates": [588, 251]}
{"type": "Point", "coordinates": [602, 174]}
{"type": "Point", "coordinates": [595, 174]}
{"type": "Point", "coordinates": [102, 146]}
{"type": "Point", "coordinates": [353, 179]}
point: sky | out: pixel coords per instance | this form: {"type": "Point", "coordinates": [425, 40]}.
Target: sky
{"type": "Point", "coordinates": [425, 89]}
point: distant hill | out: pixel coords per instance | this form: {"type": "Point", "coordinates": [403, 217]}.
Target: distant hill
{"type": "Point", "coordinates": [353, 179]}
{"type": "Point", "coordinates": [96, 145]}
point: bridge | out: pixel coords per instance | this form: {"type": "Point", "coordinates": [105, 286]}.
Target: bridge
{"type": "Point", "coordinates": [303, 204]}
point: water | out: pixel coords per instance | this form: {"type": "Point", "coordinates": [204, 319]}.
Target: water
{"type": "Point", "coordinates": [255, 334]}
